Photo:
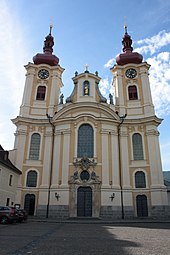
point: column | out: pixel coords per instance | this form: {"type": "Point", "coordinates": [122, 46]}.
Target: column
{"type": "Point", "coordinates": [148, 105]}
{"type": "Point", "coordinates": [47, 158]}
{"type": "Point", "coordinates": [115, 161]}
{"type": "Point", "coordinates": [65, 158]}
{"type": "Point", "coordinates": [105, 164]}
{"type": "Point", "coordinates": [25, 106]}
{"type": "Point", "coordinates": [56, 159]}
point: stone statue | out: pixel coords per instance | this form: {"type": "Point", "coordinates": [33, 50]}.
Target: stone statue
{"type": "Point", "coordinates": [61, 99]}
{"type": "Point", "coordinates": [111, 98]}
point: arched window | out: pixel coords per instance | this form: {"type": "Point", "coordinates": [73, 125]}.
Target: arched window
{"type": "Point", "coordinates": [140, 181]}
{"type": "Point", "coordinates": [85, 141]}
{"type": "Point", "coordinates": [132, 91]}
{"type": "Point", "coordinates": [41, 93]}
{"type": "Point", "coordinates": [31, 179]}
{"type": "Point", "coordinates": [86, 88]}
{"type": "Point", "coordinates": [137, 147]}
{"type": "Point", "coordinates": [35, 146]}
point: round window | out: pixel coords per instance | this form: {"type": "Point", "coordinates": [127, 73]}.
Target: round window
{"type": "Point", "coordinates": [84, 176]}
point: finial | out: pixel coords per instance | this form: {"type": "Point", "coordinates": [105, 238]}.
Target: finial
{"type": "Point", "coordinates": [125, 25]}
{"type": "Point", "coordinates": [51, 25]}
{"type": "Point", "coordinates": [86, 66]}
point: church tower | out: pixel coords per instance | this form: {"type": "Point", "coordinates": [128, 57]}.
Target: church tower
{"type": "Point", "coordinates": [139, 133]}
{"type": "Point", "coordinates": [87, 157]}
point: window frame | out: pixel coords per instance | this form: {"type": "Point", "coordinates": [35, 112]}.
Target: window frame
{"type": "Point", "coordinates": [27, 178]}
{"type": "Point", "coordinates": [89, 154]}
{"type": "Point", "coordinates": [42, 94]}
{"type": "Point", "coordinates": [31, 149]}
{"type": "Point", "coordinates": [133, 92]}
{"type": "Point", "coordinates": [139, 183]}
{"type": "Point", "coordinates": [141, 149]}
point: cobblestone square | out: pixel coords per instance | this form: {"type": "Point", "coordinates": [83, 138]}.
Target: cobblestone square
{"type": "Point", "coordinates": [81, 238]}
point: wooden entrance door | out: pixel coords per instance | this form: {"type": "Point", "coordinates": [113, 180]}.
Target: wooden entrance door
{"type": "Point", "coordinates": [29, 204]}
{"type": "Point", "coordinates": [84, 202]}
{"type": "Point", "coordinates": [142, 206]}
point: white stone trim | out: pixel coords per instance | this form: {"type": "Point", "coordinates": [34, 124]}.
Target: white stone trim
{"type": "Point", "coordinates": [143, 145]}
{"type": "Point", "coordinates": [146, 178]}
{"type": "Point", "coordinates": [25, 180]}
{"type": "Point", "coordinates": [29, 143]}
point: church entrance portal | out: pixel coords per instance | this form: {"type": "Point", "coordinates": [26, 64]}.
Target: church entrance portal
{"type": "Point", "coordinates": [84, 202]}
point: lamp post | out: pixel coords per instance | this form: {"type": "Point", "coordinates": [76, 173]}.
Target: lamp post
{"type": "Point", "coordinates": [51, 165]}
{"type": "Point", "coordinates": [122, 118]}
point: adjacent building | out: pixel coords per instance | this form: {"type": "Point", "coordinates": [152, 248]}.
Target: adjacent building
{"type": "Point", "coordinates": [87, 157]}
{"type": "Point", "coordinates": [9, 176]}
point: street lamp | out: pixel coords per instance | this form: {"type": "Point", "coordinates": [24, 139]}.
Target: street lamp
{"type": "Point", "coordinates": [122, 118]}
{"type": "Point", "coordinates": [51, 165]}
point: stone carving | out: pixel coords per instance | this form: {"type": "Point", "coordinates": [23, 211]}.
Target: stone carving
{"type": "Point", "coordinates": [84, 165]}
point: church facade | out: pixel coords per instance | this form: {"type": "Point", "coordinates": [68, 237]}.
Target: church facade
{"type": "Point", "coordinates": [86, 157]}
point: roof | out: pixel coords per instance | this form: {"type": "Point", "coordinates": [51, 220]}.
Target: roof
{"type": "Point", "coordinates": [4, 160]}
{"type": "Point", "coordinates": [166, 175]}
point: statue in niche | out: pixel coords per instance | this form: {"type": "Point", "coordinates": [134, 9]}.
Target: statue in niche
{"type": "Point", "coordinates": [86, 88]}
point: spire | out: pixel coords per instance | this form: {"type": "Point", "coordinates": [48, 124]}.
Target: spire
{"type": "Point", "coordinates": [48, 43]}
{"type": "Point", "coordinates": [127, 41]}
{"type": "Point", "coordinates": [47, 57]}
{"type": "Point", "coordinates": [128, 56]}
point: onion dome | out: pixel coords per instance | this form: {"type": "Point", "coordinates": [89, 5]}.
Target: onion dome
{"type": "Point", "coordinates": [128, 56]}
{"type": "Point", "coordinates": [47, 57]}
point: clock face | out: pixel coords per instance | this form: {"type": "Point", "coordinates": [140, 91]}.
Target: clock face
{"type": "Point", "coordinates": [131, 73]}
{"type": "Point", "coordinates": [43, 74]}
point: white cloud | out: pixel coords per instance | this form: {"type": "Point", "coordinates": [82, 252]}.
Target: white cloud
{"type": "Point", "coordinates": [106, 87]}
{"type": "Point", "coordinates": [13, 57]}
{"type": "Point", "coordinates": [154, 43]}
{"type": "Point", "coordinates": [160, 82]}
{"type": "Point", "coordinates": [109, 63]}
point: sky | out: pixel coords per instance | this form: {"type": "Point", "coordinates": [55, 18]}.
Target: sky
{"type": "Point", "coordinates": [85, 32]}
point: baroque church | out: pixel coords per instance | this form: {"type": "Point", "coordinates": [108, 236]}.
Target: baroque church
{"type": "Point", "coordinates": [87, 157]}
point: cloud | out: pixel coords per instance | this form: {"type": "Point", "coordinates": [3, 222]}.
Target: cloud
{"type": "Point", "coordinates": [154, 43]}
{"type": "Point", "coordinates": [14, 55]}
{"type": "Point", "coordinates": [109, 63]}
{"type": "Point", "coordinates": [106, 87]}
{"type": "Point", "coordinates": [160, 82]}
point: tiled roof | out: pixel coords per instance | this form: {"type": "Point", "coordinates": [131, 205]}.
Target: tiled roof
{"type": "Point", "coordinates": [4, 160]}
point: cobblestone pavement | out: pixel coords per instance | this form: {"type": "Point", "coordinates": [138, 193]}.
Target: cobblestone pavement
{"type": "Point", "coordinates": [44, 238]}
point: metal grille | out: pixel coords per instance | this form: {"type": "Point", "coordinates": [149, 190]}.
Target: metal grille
{"type": "Point", "coordinates": [85, 141]}
{"type": "Point", "coordinates": [35, 146]}
{"type": "Point", "coordinates": [137, 147]}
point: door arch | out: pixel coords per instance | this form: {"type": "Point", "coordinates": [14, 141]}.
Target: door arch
{"type": "Point", "coordinates": [142, 206]}
{"type": "Point", "coordinates": [84, 202]}
{"type": "Point", "coordinates": [29, 203]}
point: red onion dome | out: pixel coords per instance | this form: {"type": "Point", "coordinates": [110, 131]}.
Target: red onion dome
{"type": "Point", "coordinates": [128, 56]}
{"type": "Point", "coordinates": [47, 57]}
